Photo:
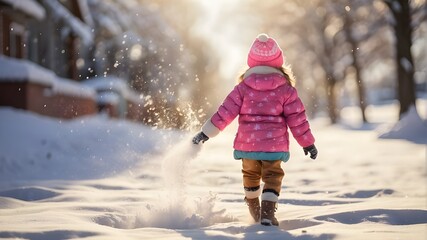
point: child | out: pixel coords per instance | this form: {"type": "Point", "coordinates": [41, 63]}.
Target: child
{"type": "Point", "coordinates": [267, 104]}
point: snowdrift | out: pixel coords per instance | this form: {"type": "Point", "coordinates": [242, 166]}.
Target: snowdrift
{"type": "Point", "coordinates": [99, 178]}
{"type": "Point", "coordinates": [411, 127]}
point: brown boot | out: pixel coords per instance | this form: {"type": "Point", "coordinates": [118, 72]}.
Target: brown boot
{"type": "Point", "coordinates": [268, 209]}
{"type": "Point", "coordinates": [254, 208]}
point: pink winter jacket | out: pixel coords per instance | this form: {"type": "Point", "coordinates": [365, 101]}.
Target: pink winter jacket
{"type": "Point", "coordinates": [267, 105]}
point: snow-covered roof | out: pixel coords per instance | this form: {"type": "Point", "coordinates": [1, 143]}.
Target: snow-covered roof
{"type": "Point", "coordinates": [107, 23]}
{"type": "Point", "coordinates": [108, 98]}
{"type": "Point", "coordinates": [106, 17]}
{"type": "Point", "coordinates": [29, 7]}
{"type": "Point", "coordinates": [114, 84]}
{"type": "Point", "coordinates": [68, 87]}
{"type": "Point", "coordinates": [77, 26]}
{"type": "Point", "coordinates": [122, 17]}
{"type": "Point", "coordinates": [86, 15]}
{"type": "Point", "coordinates": [18, 70]}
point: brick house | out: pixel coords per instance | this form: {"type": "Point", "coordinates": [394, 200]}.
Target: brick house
{"type": "Point", "coordinates": [30, 74]}
{"type": "Point", "coordinates": [46, 49]}
{"type": "Point", "coordinates": [115, 97]}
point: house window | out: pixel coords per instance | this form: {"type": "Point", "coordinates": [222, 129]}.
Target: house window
{"type": "Point", "coordinates": [5, 23]}
{"type": "Point", "coordinates": [16, 40]}
{"type": "Point", "coordinates": [12, 38]}
{"type": "Point", "coordinates": [2, 33]}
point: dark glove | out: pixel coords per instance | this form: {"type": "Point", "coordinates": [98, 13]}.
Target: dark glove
{"type": "Point", "coordinates": [312, 150]}
{"type": "Point", "coordinates": [200, 137]}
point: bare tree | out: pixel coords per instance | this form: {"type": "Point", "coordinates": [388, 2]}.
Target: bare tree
{"type": "Point", "coordinates": [308, 30]}
{"type": "Point", "coordinates": [334, 33]}
{"type": "Point", "coordinates": [361, 22]}
{"type": "Point", "coordinates": [348, 25]}
{"type": "Point", "coordinates": [318, 35]}
{"type": "Point", "coordinates": [403, 30]}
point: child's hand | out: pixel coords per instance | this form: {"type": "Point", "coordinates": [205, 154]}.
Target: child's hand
{"type": "Point", "coordinates": [200, 137]}
{"type": "Point", "coordinates": [312, 150]}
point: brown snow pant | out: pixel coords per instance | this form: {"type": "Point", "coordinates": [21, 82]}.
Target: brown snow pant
{"type": "Point", "coordinates": [270, 172]}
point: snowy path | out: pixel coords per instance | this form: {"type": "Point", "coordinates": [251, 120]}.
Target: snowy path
{"type": "Point", "coordinates": [361, 187]}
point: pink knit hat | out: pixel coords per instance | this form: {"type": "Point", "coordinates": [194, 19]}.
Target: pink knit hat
{"type": "Point", "coordinates": [265, 52]}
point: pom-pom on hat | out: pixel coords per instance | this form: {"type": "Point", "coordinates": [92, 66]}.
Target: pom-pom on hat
{"type": "Point", "coordinates": [265, 52]}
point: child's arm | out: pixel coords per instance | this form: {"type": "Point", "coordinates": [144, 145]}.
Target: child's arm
{"type": "Point", "coordinates": [296, 119]}
{"type": "Point", "coordinates": [226, 113]}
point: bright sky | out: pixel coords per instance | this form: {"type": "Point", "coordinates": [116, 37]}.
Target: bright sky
{"type": "Point", "coordinates": [227, 35]}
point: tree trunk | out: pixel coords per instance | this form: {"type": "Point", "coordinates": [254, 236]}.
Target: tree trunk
{"type": "Point", "coordinates": [348, 23]}
{"type": "Point", "coordinates": [361, 91]}
{"type": "Point", "coordinates": [332, 102]}
{"type": "Point", "coordinates": [405, 69]}
{"type": "Point", "coordinates": [72, 71]}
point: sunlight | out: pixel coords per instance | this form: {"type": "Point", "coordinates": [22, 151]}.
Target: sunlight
{"type": "Point", "coordinates": [222, 26]}
{"type": "Point", "coordinates": [136, 52]}
{"type": "Point", "coordinates": [128, 119]}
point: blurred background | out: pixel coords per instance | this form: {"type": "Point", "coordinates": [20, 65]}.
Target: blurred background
{"type": "Point", "coordinates": [164, 62]}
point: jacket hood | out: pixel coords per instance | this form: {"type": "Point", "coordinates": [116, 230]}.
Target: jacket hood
{"type": "Point", "coordinates": [264, 78]}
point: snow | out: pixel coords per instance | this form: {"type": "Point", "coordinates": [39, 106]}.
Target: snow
{"type": "Point", "coordinates": [114, 84]}
{"type": "Point", "coordinates": [22, 70]}
{"type": "Point", "coordinates": [396, 6]}
{"type": "Point", "coordinates": [109, 24]}
{"type": "Point", "coordinates": [19, 70]}
{"type": "Point", "coordinates": [108, 17]}
{"type": "Point", "coordinates": [411, 127]}
{"type": "Point", "coordinates": [68, 87]}
{"type": "Point", "coordinates": [99, 178]}
{"type": "Point", "coordinates": [86, 15]}
{"type": "Point", "coordinates": [77, 26]}
{"type": "Point", "coordinates": [406, 64]}
{"type": "Point", "coordinates": [108, 98]}
{"type": "Point", "coordinates": [30, 7]}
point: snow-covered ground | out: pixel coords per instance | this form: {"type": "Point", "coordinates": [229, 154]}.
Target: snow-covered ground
{"type": "Point", "coordinates": [97, 178]}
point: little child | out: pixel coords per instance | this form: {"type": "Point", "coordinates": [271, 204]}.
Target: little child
{"type": "Point", "coordinates": [267, 105]}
